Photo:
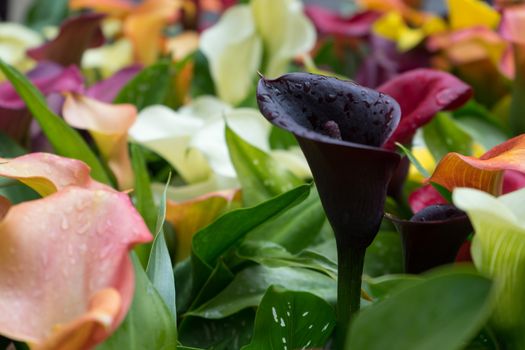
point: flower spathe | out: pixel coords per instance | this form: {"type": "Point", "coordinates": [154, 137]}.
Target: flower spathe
{"type": "Point", "coordinates": [66, 280]}
{"type": "Point", "coordinates": [498, 249]}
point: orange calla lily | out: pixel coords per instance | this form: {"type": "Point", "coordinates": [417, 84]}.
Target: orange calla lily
{"type": "Point", "coordinates": [108, 125]}
{"type": "Point", "coordinates": [484, 173]}
{"type": "Point", "coordinates": [190, 216]}
{"type": "Point", "coordinates": [66, 281]}
{"type": "Point", "coordinates": [143, 23]}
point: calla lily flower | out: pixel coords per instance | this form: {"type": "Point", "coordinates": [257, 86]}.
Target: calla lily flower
{"type": "Point", "coordinates": [15, 39]}
{"type": "Point", "coordinates": [190, 216]}
{"type": "Point", "coordinates": [66, 280]}
{"type": "Point", "coordinates": [108, 125]}
{"type": "Point", "coordinates": [330, 22]}
{"type": "Point", "coordinates": [142, 23]}
{"type": "Point", "coordinates": [432, 237]}
{"type": "Point", "coordinates": [485, 173]}
{"type": "Point", "coordinates": [340, 127]}
{"type": "Point", "coordinates": [498, 249]}
{"type": "Point", "coordinates": [267, 32]}
{"type": "Point", "coordinates": [110, 58]}
{"type": "Point", "coordinates": [76, 36]}
{"type": "Point", "coordinates": [192, 140]}
{"type": "Point", "coordinates": [108, 89]}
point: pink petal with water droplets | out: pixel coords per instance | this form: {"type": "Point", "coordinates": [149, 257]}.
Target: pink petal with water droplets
{"type": "Point", "coordinates": [108, 125]}
{"type": "Point", "coordinates": [76, 36]}
{"type": "Point", "coordinates": [422, 93]}
{"type": "Point", "coordinates": [65, 274]}
{"type": "Point", "coordinates": [47, 173]}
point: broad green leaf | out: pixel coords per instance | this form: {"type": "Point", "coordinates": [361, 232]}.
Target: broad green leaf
{"type": "Point", "coordinates": [214, 240]}
{"type": "Point", "coordinates": [66, 141]}
{"type": "Point", "coordinates": [384, 255]}
{"type": "Point", "coordinates": [443, 311]}
{"type": "Point", "coordinates": [202, 82]}
{"type": "Point", "coordinates": [218, 280]}
{"type": "Point", "coordinates": [149, 324]}
{"type": "Point", "coordinates": [274, 255]}
{"type": "Point", "coordinates": [442, 135]}
{"type": "Point", "coordinates": [249, 286]}
{"type": "Point", "coordinates": [381, 287]}
{"type": "Point", "coordinates": [281, 139]}
{"type": "Point", "coordinates": [296, 228]}
{"type": "Point", "coordinates": [291, 320]}
{"type": "Point", "coordinates": [149, 87]}
{"type": "Point", "coordinates": [473, 109]}
{"type": "Point", "coordinates": [160, 268]}
{"type": "Point", "coordinates": [45, 13]}
{"type": "Point", "coordinates": [260, 175]}
{"type": "Point", "coordinates": [229, 333]}
{"type": "Point", "coordinates": [142, 192]}
{"type": "Point", "coordinates": [482, 132]}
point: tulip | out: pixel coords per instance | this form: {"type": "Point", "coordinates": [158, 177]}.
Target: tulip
{"type": "Point", "coordinates": [66, 280]}
{"type": "Point", "coordinates": [498, 249]}
{"type": "Point", "coordinates": [264, 35]}
{"type": "Point", "coordinates": [340, 127]}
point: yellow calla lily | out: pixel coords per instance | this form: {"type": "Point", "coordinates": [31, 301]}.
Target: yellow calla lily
{"type": "Point", "coordinates": [471, 13]}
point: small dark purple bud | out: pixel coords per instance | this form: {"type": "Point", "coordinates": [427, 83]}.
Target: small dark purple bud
{"type": "Point", "coordinates": [432, 237]}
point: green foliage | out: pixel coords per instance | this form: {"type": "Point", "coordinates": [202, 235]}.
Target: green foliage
{"type": "Point", "coordinates": [291, 320]}
{"type": "Point", "coordinates": [442, 135]}
{"type": "Point", "coordinates": [443, 311]}
{"type": "Point", "coordinates": [44, 13]}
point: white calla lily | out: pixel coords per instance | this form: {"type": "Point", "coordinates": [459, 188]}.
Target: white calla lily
{"type": "Point", "coordinates": [498, 249]}
{"type": "Point", "coordinates": [234, 51]}
{"type": "Point", "coordinates": [109, 59]}
{"type": "Point", "coordinates": [15, 40]}
{"type": "Point", "coordinates": [235, 45]}
{"type": "Point", "coordinates": [192, 140]}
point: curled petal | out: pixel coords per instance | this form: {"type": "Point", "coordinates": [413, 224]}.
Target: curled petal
{"type": "Point", "coordinates": [190, 216]}
{"type": "Point", "coordinates": [62, 259]}
{"type": "Point", "coordinates": [498, 249]}
{"type": "Point", "coordinates": [513, 24]}
{"type": "Point", "coordinates": [485, 173]}
{"type": "Point", "coordinates": [76, 36]}
{"type": "Point", "coordinates": [47, 173]}
{"type": "Point", "coordinates": [108, 125]}
{"type": "Point", "coordinates": [48, 78]}
{"type": "Point", "coordinates": [422, 93]}
{"type": "Point", "coordinates": [424, 197]}
{"type": "Point", "coordinates": [330, 22]}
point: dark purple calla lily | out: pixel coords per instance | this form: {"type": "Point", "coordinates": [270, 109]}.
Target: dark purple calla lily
{"type": "Point", "coordinates": [432, 237]}
{"type": "Point", "coordinates": [76, 36]}
{"type": "Point", "coordinates": [341, 128]}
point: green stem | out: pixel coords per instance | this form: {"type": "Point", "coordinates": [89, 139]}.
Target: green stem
{"type": "Point", "coordinates": [350, 270]}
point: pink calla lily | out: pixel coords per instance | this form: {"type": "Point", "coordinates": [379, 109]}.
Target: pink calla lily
{"type": "Point", "coordinates": [108, 125]}
{"type": "Point", "coordinates": [66, 281]}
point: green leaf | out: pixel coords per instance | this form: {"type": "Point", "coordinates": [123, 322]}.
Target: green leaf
{"type": "Point", "coordinates": [149, 87]}
{"type": "Point", "coordinates": [229, 333]}
{"type": "Point", "coordinates": [281, 139]}
{"type": "Point", "coordinates": [296, 228]}
{"type": "Point", "coordinates": [214, 240]}
{"type": "Point", "coordinates": [483, 132]}
{"type": "Point", "coordinates": [444, 311]}
{"type": "Point", "coordinates": [413, 160]}
{"type": "Point", "coordinates": [66, 141]}
{"type": "Point", "coordinates": [202, 82]}
{"type": "Point", "coordinates": [249, 286]}
{"type": "Point", "coordinates": [44, 13]}
{"type": "Point", "coordinates": [260, 175]}
{"type": "Point", "coordinates": [149, 324]}
{"type": "Point", "coordinates": [274, 255]}
{"type": "Point", "coordinates": [384, 256]}
{"type": "Point", "coordinates": [442, 135]}
{"type": "Point", "coordinates": [291, 320]}
{"type": "Point", "coordinates": [160, 268]}
{"type": "Point", "coordinates": [144, 201]}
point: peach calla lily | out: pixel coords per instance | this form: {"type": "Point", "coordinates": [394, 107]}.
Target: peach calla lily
{"type": "Point", "coordinates": [143, 23]}
{"type": "Point", "coordinates": [485, 173]}
{"type": "Point", "coordinates": [66, 281]}
{"type": "Point", "coordinates": [108, 125]}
